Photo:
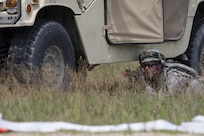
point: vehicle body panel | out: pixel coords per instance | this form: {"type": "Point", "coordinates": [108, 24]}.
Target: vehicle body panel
{"type": "Point", "coordinates": [99, 51]}
{"type": "Point", "coordinates": [92, 28]}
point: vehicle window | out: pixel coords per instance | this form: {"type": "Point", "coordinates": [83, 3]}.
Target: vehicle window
{"type": "Point", "coordinates": [175, 15]}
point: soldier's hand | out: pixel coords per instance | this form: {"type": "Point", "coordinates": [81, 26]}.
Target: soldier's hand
{"type": "Point", "coordinates": [133, 74]}
{"type": "Point", "coordinates": [127, 73]}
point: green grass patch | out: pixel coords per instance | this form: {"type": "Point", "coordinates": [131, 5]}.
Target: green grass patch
{"type": "Point", "coordinates": [105, 97]}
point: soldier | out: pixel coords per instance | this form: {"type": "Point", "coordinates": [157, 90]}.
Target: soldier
{"type": "Point", "coordinates": [157, 75]}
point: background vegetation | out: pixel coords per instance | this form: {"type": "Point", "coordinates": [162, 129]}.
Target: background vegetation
{"type": "Point", "coordinates": [105, 97]}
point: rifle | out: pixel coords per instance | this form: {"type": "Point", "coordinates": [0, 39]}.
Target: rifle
{"type": "Point", "coordinates": [134, 74]}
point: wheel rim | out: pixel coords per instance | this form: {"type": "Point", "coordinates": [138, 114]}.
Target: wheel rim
{"type": "Point", "coordinates": [53, 66]}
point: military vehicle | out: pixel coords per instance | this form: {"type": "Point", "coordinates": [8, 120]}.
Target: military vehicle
{"type": "Point", "coordinates": [59, 32]}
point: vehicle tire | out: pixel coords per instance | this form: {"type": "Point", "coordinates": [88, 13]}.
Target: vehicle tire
{"type": "Point", "coordinates": [195, 51]}
{"type": "Point", "coordinates": [45, 45]}
{"type": "Point", "coordinates": [3, 52]}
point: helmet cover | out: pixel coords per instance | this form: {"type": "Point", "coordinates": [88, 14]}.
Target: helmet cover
{"type": "Point", "coordinates": [151, 55]}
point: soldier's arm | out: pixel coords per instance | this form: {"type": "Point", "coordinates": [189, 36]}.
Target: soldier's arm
{"type": "Point", "coordinates": [136, 74]}
{"type": "Point", "coordinates": [138, 77]}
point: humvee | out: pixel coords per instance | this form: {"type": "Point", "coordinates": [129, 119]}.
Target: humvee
{"type": "Point", "coordinates": [58, 32]}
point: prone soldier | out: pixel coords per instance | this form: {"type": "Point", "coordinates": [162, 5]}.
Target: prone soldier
{"type": "Point", "coordinates": [155, 75]}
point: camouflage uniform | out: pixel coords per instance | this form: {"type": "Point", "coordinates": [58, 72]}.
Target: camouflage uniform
{"type": "Point", "coordinates": [181, 78]}
{"type": "Point", "coordinates": [172, 80]}
{"type": "Point", "coordinates": [175, 78]}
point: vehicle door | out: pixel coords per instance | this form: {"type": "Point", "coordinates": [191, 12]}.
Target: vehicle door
{"type": "Point", "coordinates": [144, 21]}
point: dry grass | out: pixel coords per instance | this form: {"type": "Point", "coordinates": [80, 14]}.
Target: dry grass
{"type": "Point", "coordinates": [103, 97]}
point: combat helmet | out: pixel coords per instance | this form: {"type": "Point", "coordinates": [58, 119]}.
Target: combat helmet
{"type": "Point", "coordinates": [152, 55]}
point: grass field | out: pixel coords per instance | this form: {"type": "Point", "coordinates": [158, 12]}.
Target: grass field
{"type": "Point", "coordinates": [105, 97]}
